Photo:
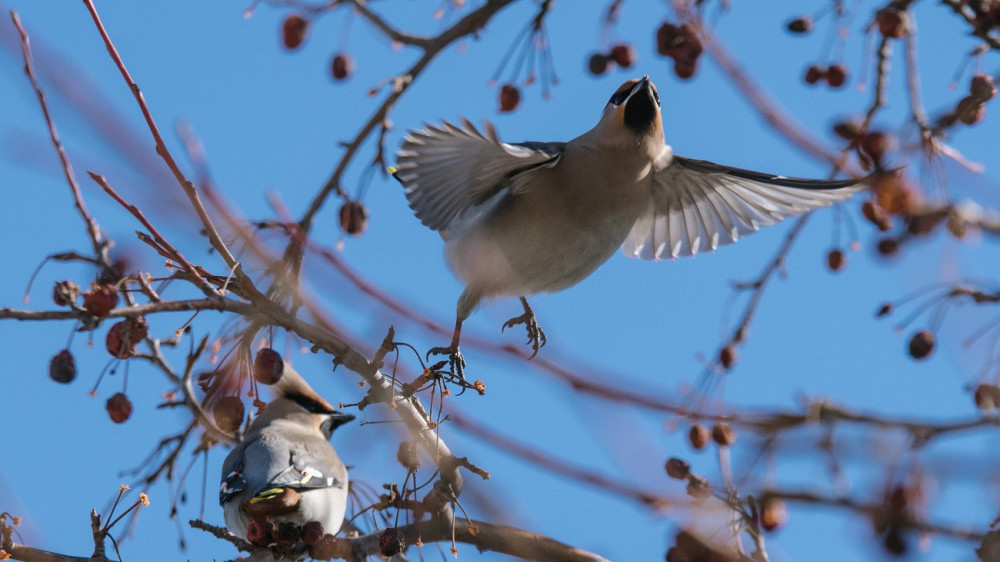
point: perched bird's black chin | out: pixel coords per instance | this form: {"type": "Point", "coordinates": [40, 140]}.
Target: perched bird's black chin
{"type": "Point", "coordinates": [641, 108]}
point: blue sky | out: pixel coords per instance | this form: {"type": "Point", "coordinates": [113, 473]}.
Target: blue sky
{"type": "Point", "coordinates": [271, 122]}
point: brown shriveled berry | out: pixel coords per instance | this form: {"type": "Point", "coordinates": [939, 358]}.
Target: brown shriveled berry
{"type": "Point", "coordinates": [921, 344]}
{"type": "Point", "coordinates": [598, 64]}
{"type": "Point", "coordinates": [685, 69]}
{"type": "Point", "coordinates": [124, 336]}
{"type": "Point", "coordinates": [814, 74]}
{"type": "Point", "coordinates": [884, 310]}
{"type": "Point", "coordinates": [353, 218]}
{"type": "Point", "coordinates": [723, 433]}
{"type": "Point", "coordinates": [970, 110]}
{"type": "Point", "coordinates": [312, 532]}
{"type": "Point", "coordinates": [100, 300]}
{"type": "Point", "coordinates": [876, 144]}
{"type": "Point", "coordinates": [801, 24]}
{"type": "Point", "coordinates": [65, 292]}
{"type": "Point", "coordinates": [835, 260]}
{"type": "Point", "coordinates": [698, 487]}
{"type": "Point", "coordinates": [259, 533]}
{"type": "Point", "coordinates": [119, 408]}
{"type": "Point", "coordinates": [983, 87]}
{"type": "Point", "coordinates": [772, 513]}
{"type": "Point", "coordinates": [228, 412]}
{"type": "Point", "coordinates": [891, 23]}
{"type": "Point", "coordinates": [288, 534]}
{"type": "Point", "coordinates": [666, 36]}
{"type": "Point", "coordinates": [62, 367]}
{"type": "Point", "coordinates": [677, 468]}
{"type": "Point", "coordinates": [293, 31]}
{"type": "Point", "coordinates": [408, 455]}
{"type": "Point", "coordinates": [699, 436]}
{"type": "Point", "coordinates": [727, 356]}
{"type": "Point", "coordinates": [887, 246]}
{"type": "Point", "coordinates": [268, 366]}
{"type": "Point", "coordinates": [341, 66]}
{"type": "Point", "coordinates": [510, 98]}
{"type": "Point", "coordinates": [987, 397]}
{"type": "Point", "coordinates": [679, 43]}
{"type": "Point", "coordinates": [836, 75]}
{"type": "Point", "coordinates": [391, 542]}
{"type": "Point", "coordinates": [623, 54]}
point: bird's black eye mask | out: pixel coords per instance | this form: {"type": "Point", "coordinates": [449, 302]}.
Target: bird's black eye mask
{"type": "Point", "coordinates": [309, 404]}
{"type": "Point", "coordinates": [623, 92]}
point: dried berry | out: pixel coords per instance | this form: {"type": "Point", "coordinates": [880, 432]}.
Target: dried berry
{"type": "Point", "coordinates": [887, 246]}
{"type": "Point", "coordinates": [699, 436]}
{"type": "Point", "coordinates": [772, 513]}
{"type": "Point", "coordinates": [353, 218]}
{"type": "Point", "coordinates": [312, 532]}
{"type": "Point", "coordinates": [835, 260]}
{"type": "Point", "coordinates": [65, 292]}
{"type": "Point", "coordinates": [698, 487]}
{"type": "Point", "coordinates": [666, 36]}
{"type": "Point", "coordinates": [801, 24]}
{"type": "Point", "coordinates": [884, 310]}
{"type": "Point", "coordinates": [623, 54]}
{"type": "Point", "coordinates": [598, 64]}
{"type": "Point", "coordinates": [723, 433]}
{"type": "Point", "coordinates": [268, 366]}
{"type": "Point", "coordinates": [341, 66]}
{"type": "Point", "coordinates": [814, 74]}
{"type": "Point", "coordinates": [228, 413]}
{"type": "Point", "coordinates": [124, 336]}
{"type": "Point", "coordinates": [685, 69]}
{"type": "Point", "coordinates": [677, 468]}
{"type": "Point", "coordinates": [679, 43]}
{"type": "Point", "coordinates": [260, 533]}
{"type": "Point", "coordinates": [510, 98]}
{"type": "Point", "coordinates": [391, 542]}
{"type": "Point", "coordinates": [727, 356]}
{"type": "Point", "coordinates": [987, 397]}
{"type": "Point", "coordinates": [836, 75]}
{"type": "Point", "coordinates": [288, 534]}
{"type": "Point", "coordinates": [921, 344]}
{"type": "Point", "coordinates": [983, 87]}
{"type": "Point", "coordinates": [876, 144]}
{"type": "Point", "coordinates": [293, 31]}
{"type": "Point", "coordinates": [970, 110]}
{"type": "Point", "coordinates": [408, 455]}
{"type": "Point", "coordinates": [119, 408]}
{"type": "Point", "coordinates": [100, 300]}
{"type": "Point", "coordinates": [891, 23]}
{"type": "Point", "coordinates": [62, 367]}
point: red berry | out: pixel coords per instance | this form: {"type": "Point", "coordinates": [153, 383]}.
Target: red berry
{"type": "Point", "coordinates": [814, 74]}
{"type": "Point", "coordinates": [835, 260]}
{"type": "Point", "coordinates": [293, 31]}
{"type": "Point", "coordinates": [260, 533]}
{"type": "Point", "coordinates": [228, 413]}
{"type": "Point", "coordinates": [312, 532]}
{"type": "Point", "coordinates": [124, 336]}
{"type": "Point", "coordinates": [100, 300]}
{"type": "Point", "coordinates": [891, 22]}
{"type": "Point", "coordinates": [698, 436]}
{"type": "Point", "coordinates": [677, 468]}
{"type": "Point", "coordinates": [623, 54]}
{"type": "Point", "coordinates": [353, 218]}
{"type": "Point", "coordinates": [510, 98]}
{"type": "Point", "coordinates": [921, 344]}
{"type": "Point", "coordinates": [341, 66]}
{"type": "Point", "coordinates": [268, 366]}
{"type": "Point", "coordinates": [836, 75]}
{"type": "Point", "coordinates": [391, 542]}
{"type": "Point", "coordinates": [65, 292]}
{"type": "Point", "coordinates": [723, 433]}
{"type": "Point", "coordinates": [119, 408]}
{"type": "Point", "coordinates": [62, 367]}
{"type": "Point", "coordinates": [598, 64]}
{"type": "Point", "coordinates": [801, 24]}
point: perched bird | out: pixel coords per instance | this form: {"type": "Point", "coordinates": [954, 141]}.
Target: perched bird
{"type": "Point", "coordinates": [285, 468]}
{"type": "Point", "coordinates": [539, 217]}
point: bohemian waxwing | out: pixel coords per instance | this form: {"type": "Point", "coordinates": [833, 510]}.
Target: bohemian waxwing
{"type": "Point", "coordinates": [285, 469]}
{"type": "Point", "coordinates": [538, 217]}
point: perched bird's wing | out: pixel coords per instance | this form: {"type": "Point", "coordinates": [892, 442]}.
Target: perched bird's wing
{"type": "Point", "coordinates": [233, 481]}
{"type": "Point", "coordinates": [311, 465]}
{"type": "Point", "coordinates": [448, 170]}
{"type": "Point", "coordinates": [697, 206]}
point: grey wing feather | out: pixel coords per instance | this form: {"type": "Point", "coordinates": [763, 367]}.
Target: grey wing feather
{"type": "Point", "coordinates": [448, 170]}
{"type": "Point", "coordinates": [233, 481]}
{"type": "Point", "coordinates": [311, 467]}
{"type": "Point", "coordinates": [697, 206]}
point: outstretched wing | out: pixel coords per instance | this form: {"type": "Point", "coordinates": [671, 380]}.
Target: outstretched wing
{"type": "Point", "coordinates": [448, 170]}
{"type": "Point", "coordinates": [698, 206]}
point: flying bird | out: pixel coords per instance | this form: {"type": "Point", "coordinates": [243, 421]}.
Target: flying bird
{"type": "Point", "coordinates": [285, 468]}
{"type": "Point", "coordinates": [538, 217]}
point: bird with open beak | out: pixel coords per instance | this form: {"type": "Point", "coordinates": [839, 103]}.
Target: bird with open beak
{"type": "Point", "coordinates": [285, 468]}
{"type": "Point", "coordinates": [539, 217]}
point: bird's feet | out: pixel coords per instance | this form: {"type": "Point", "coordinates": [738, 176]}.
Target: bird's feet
{"type": "Point", "coordinates": [536, 337]}
{"type": "Point", "coordinates": [456, 361]}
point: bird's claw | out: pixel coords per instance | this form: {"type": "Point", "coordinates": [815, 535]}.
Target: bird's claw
{"type": "Point", "coordinates": [456, 361]}
{"type": "Point", "coordinates": [536, 336]}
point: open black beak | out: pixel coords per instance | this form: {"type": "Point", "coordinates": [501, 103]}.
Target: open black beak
{"type": "Point", "coordinates": [641, 106]}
